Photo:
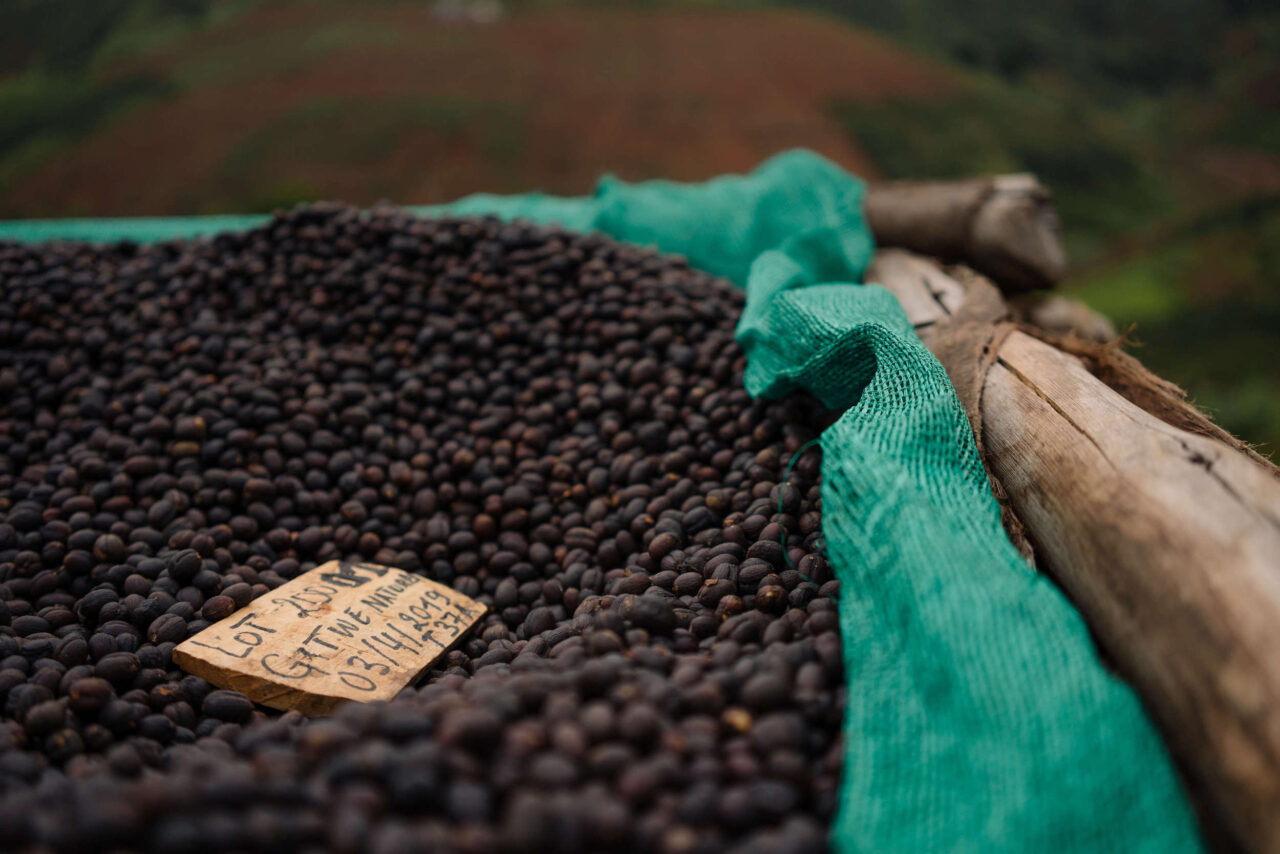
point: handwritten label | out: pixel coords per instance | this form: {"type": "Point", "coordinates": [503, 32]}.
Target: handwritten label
{"type": "Point", "coordinates": [343, 631]}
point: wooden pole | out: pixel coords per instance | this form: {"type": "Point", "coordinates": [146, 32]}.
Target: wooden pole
{"type": "Point", "coordinates": [1063, 316]}
{"type": "Point", "coordinates": [1166, 539]}
{"type": "Point", "coordinates": [1003, 226]}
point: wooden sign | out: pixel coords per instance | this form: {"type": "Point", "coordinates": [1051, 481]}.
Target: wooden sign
{"type": "Point", "coordinates": [343, 631]}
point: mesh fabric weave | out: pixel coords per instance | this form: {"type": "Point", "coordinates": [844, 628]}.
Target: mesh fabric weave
{"type": "Point", "coordinates": [979, 717]}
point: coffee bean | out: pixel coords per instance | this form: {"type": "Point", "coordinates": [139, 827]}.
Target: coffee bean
{"type": "Point", "coordinates": [118, 667]}
{"type": "Point", "coordinates": [651, 615]}
{"type": "Point", "coordinates": [552, 423]}
{"type": "Point", "coordinates": [167, 628]}
{"type": "Point", "coordinates": [218, 608]}
{"type": "Point", "coordinates": [184, 565]}
{"type": "Point", "coordinates": [539, 621]}
{"type": "Point", "coordinates": [108, 548]}
{"type": "Point", "coordinates": [662, 545]}
{"type": "Point", "coordinates": [475, 728]}
{"type": "Point", "coordinates": [189, 428]}
{"type": "Point", "coordinates": [469, 802]}
{"type": "Point", "coordinates": [29, 624]}
{"type": "Point", "coordinates": [229, 706]}
{"type": "Point", "coordinates": [44, 718]}
{"type": "Point", "coordinates": [89, 694]}
{"type": "Point", "coordinates": [687, 584]}
{"type": "Point", "coordinates": [765, 691]}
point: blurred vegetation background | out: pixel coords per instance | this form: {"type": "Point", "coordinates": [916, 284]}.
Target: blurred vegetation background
{"type": "Point", "coordinates": [1157, 124]}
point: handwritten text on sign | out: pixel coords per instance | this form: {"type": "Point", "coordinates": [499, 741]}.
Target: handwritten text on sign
{"type": "Point", "coordinates": [343, 631]}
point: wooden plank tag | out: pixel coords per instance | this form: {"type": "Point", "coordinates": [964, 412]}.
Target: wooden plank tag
{"type": "Point", "coordinates": [343, 631]}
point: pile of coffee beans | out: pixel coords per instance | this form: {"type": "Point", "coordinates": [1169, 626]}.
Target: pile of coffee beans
{"type": "Point", "coordinates": [553, 424]}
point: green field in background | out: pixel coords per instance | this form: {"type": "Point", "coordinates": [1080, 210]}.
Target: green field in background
{"type": "Point", "coordinates": [1115, 116]}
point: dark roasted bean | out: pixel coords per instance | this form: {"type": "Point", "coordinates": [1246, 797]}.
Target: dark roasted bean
{"type": "Point", "coordinates": [227, 706]}
{"type": "Point", "coordinates": [118, 667]}
{"type": "Point", "coordinates": [89, 694]}
{"type": "Point", "coordinates": [44, 718]}
{"type": "Point", "coordinates": [217, 608]}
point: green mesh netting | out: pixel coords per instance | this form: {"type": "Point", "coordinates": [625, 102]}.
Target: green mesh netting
{"type": "Point", "coordinates": [979, 717]}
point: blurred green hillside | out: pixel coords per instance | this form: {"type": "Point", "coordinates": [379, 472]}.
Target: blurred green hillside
{"type": "Point", "coordinates": [1157, 124]}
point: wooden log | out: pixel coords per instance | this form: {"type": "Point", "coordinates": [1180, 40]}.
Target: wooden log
{"type": "Point", "coordinates": [1003, 226]}
{"type": "Point", "coordinates": [1063, 317]}
{"type": "Point", "coordinates": [1168, 541]}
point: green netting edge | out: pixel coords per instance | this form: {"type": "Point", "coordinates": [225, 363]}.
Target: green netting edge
{"type": "Point", "coordinates": [978, 715]}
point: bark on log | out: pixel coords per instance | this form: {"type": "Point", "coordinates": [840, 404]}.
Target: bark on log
{"type": "Point", "coordinates": [1003, 226]}
{"type": "Point", "coordinates": [1167, 540]}
{"type": "Point", "coordinates": [1062, 317]}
